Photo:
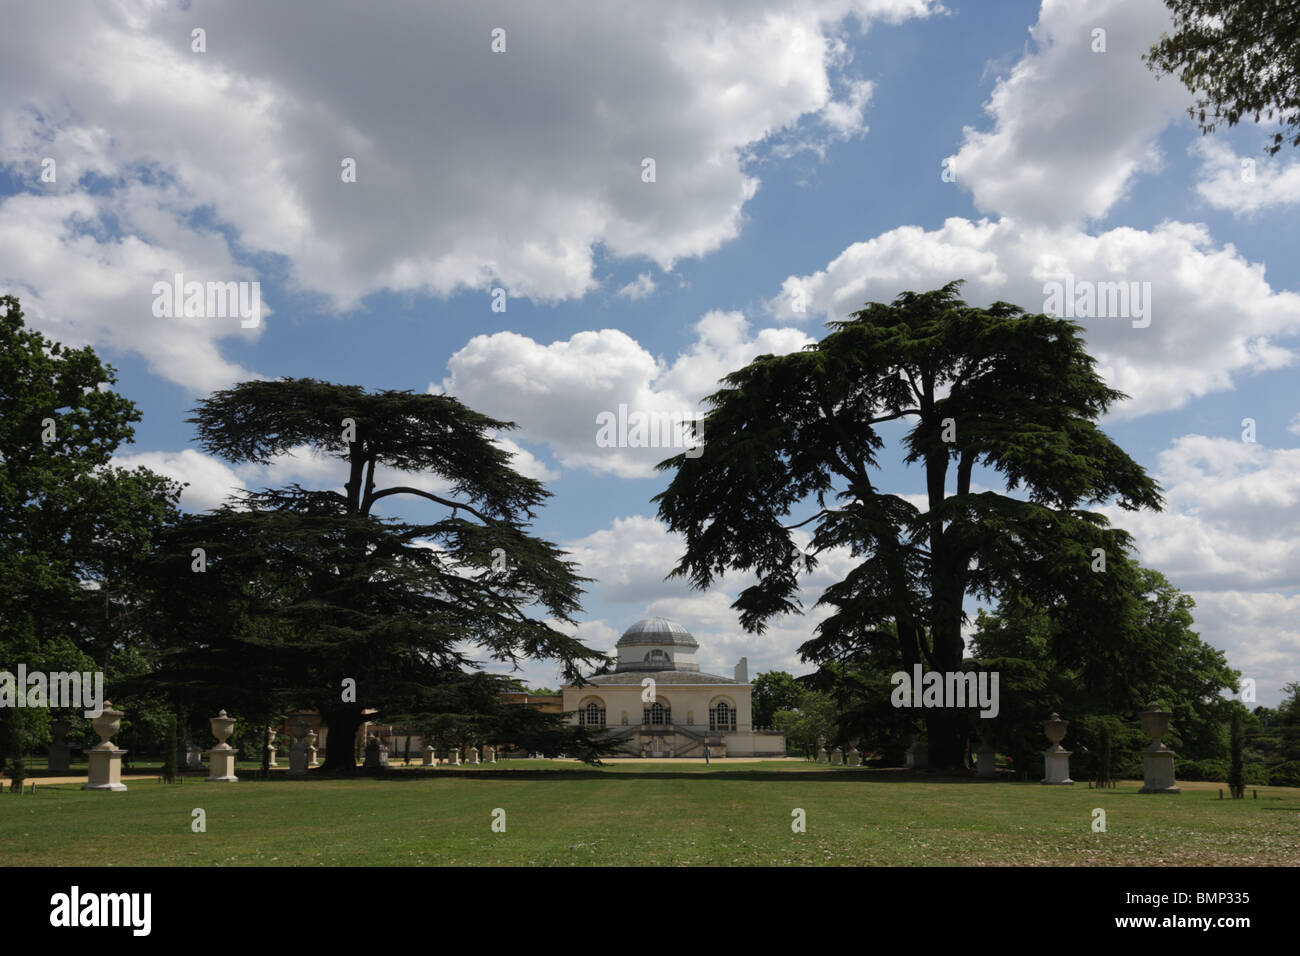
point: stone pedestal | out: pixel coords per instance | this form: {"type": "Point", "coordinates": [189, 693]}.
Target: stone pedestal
{"type": "Point", "coordinates": [270, 745]}
{"type": "Point", "coordinates": [430, 757]}
{"type": "Point", "coordinates": [918, 755]}
{"type": "Point", "coordinates": [986, 761]}
{"type": "Point", "coordinates": [1056, 759]}
{"type": "Point", "coordinates": [491, 754]}
{"type": "Point", "coordinates": [312, 760]}
{"type": "Point", "coordinates": [221, 758]}
{"type": "Point", "coordinates": [193, 757]}
{"type": "Point", "coordinates": [837, 758]}
{"type": "Point", "coordinates": [454, 758]}
{"type": "Point", "coordinates": [1157, 759]}
{"type": "Point", "coordinates": [376, 754]}
{"type": "Point", "coordinates": [105, 772]}
{"type": "Point", "coordinates": [60, 753]}
{"type": "Point", "coordinates": [855, 758]}
{"type": "Point", "coordinates": [473, 755]}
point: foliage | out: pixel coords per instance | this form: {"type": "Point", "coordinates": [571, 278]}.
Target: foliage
{"type": "Point", "coordinates": [813, 720]}
{"type": "Point", "coordinates": [1161, 658]}
{"type": "Point", "coordinates": [1240, 56]}
{"type": "Point", "coordinates": [773, 691]}
{"type": "Point", "coordinates": [996, 388]}
{"type": "Point", "coordinates": [73, 528]}
{"type": "Point", "coordinates": [1286, 774]}
{"type": "Point", "coordinates": [308, 592]}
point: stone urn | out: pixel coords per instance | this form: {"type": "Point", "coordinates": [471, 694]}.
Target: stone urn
{"type": "Point", "coordinates": [106, 725]}
{"type": "Point", "coordinates": [222, 727]}
{"type": "Point", "coordinates": [105, 770]}
{"type": "Point", "coordinates": [1157, 759]}
{"type": "Point", "coordinates": [1155, 724]}
{"type": "Point", "coordinates": [1055, 730]}
{"type": "Point", "coordinates": [1056, 759]}
{"type": "Point", "coordinates": [221, 758]}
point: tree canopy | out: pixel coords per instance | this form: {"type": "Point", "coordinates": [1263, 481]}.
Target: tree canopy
{"type": "Point", "coordinates": [306, 594]}
{"type": "Point", "coordinates": [1241, 56]}
{"type": "Point", "coordinates": [1013, 393]}
{"type": "Point", "coordinates": [74, 529]}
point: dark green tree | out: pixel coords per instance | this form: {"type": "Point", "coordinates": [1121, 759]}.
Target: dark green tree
{"type": "Point", "coordinates": [773, 691]}
{"type": "Point", "coordinates": [1242, 57]}
{"type": "Point", "coordinates": [310, 598]}
{"type": "Point", "coordinates": [815, 718]}
{"type": "Point", "coordinates": [1156, 654]}
{"type": "Point", "coordinates": [74, 530]}
{"type": "Point", "coordinates": [793, 441]}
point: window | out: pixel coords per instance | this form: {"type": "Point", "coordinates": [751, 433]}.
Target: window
{"type": "Point", "coordinates": [593, 715]}
{"type": "Point", "coordinates": [657, 715]}
{"type": "Point", "coordinates": [722, 717]}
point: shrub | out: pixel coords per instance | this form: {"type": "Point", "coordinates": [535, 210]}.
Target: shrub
{"type": "Point", "coordinates": [1286, 775]}
{"type": "Point", "coordinates": [1213, 770]}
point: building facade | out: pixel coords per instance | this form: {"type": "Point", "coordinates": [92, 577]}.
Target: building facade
{"type": "Point", "coordinates": [659, 703]}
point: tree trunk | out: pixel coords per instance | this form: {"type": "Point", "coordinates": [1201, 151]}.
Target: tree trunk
{"type": "Point", "coordinates": [343, 724]}
{"type": "Point", "coordinates": [947, 746]}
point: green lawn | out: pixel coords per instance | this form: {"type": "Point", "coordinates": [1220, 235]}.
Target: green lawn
{"type": "Point", "coordinates": [656, 814]}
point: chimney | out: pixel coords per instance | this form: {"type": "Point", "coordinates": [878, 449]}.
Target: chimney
{"type": "Point", "coordinates": [742, 670]}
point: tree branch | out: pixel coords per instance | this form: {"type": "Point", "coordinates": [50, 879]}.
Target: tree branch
{"type": "Point", "coordinates": [402, 490]}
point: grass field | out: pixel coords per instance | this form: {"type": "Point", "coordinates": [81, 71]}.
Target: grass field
{"type": "Point", "coordinates": [653, 814]}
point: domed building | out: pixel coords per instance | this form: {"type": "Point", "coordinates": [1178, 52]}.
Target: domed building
{"type": "Point", "coordinates": [659, 702]}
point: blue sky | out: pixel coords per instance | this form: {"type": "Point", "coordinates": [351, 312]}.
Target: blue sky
{"type": "Point", "coordinates": [797, 147]}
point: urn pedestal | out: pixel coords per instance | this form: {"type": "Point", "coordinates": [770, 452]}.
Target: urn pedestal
{"type": "Point", "coordinates": [221, 758]}
{"type": "Point", "coordinates": [105, 772]}
{"type": "Point", "coordinates": [837, 758]}
{"type": "Point", "coordinates": [855, 758]}
{"type": "Point", "coordinates": [1056, 759]}
{"type": "Point", "coordinates": [1157, 759]}
{"type": "Point", "coordinates": [60, 753]}
{"type": "Point", "coordinates": [473, 755]}
{"type": "Point", "coordinates": [430, 757]}
{"type": "Point", "coordinates": [312, 760]}
{"type": "Point", "coordinates": [454, 758]}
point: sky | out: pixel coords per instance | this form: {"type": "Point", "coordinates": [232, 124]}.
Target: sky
{"type": "Point", "coordinates": [382, 170]}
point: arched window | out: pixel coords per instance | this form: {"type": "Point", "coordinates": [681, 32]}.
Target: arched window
{"type": "Point", "coordinates": [722, 717]}
{"type": "Point", "coordinates": [592, 715]}
{"type": "Point", "coordinates": [657, 714]}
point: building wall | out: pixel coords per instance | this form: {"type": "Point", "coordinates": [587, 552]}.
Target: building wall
{"type": "Point", "coordinates": [689, 705]}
